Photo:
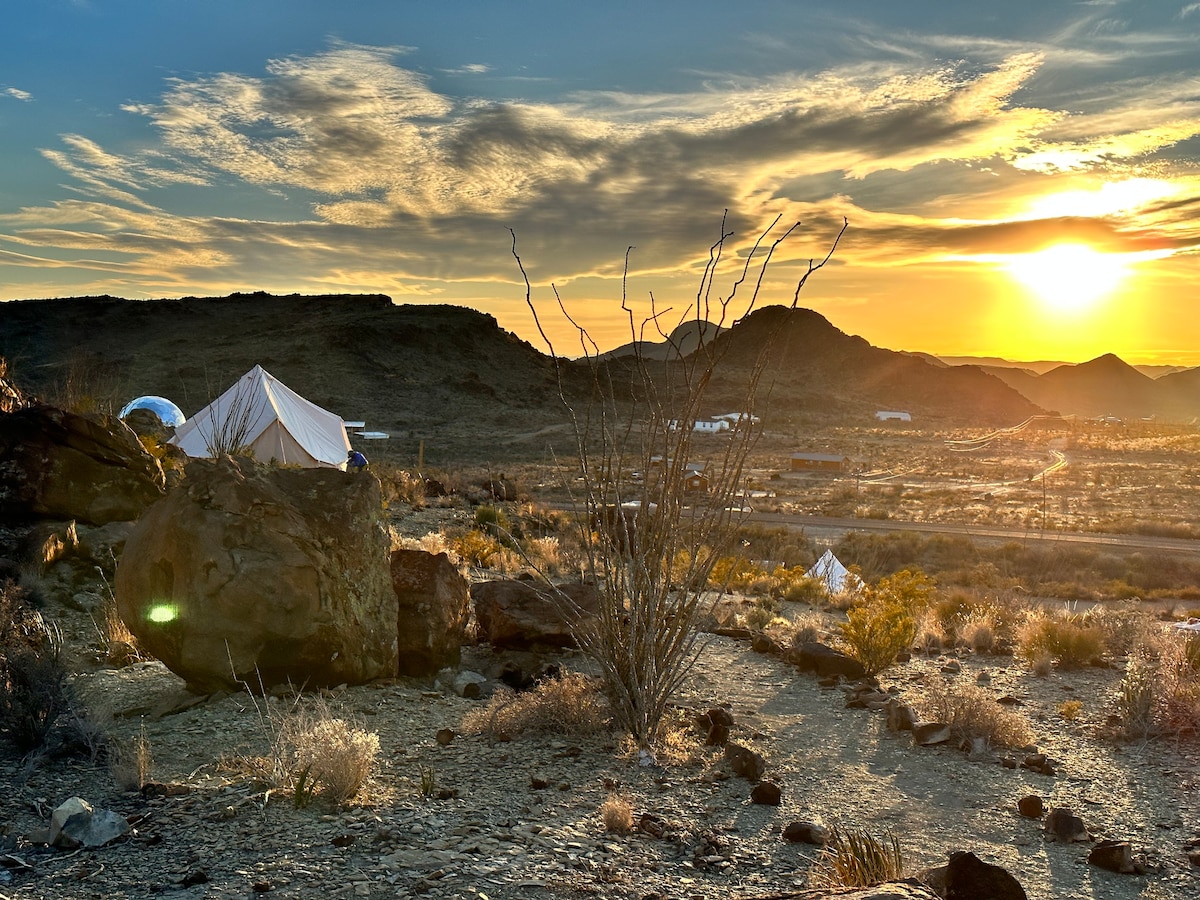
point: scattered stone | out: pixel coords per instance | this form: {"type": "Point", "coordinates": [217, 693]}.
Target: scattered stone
{"type": "Point", "coordinates": [1008, 762]}
{"type": "Point", "coordinates": [1115, 856]}
{"type": "Point", "coordinates": [970, 878]}
{"type": "Point", "coordinates": [445, 736]}
{"type": "Point", "coordinates": [820, 659]}
{"type": "Point", "coordinates": [766, 793]}
{"type": "Point", "coordinates": [716, 724]}
{"type": "Point", "coordinates": [1010, 700]}
{"type": "Point", "coordinates": [1064, 826]}
{"type": "Point", "coordinates": [538, 782]}
{"type": "Point", "coordinates": [1037, 762]}
{"type": "Point", "coordinates": [764, 643]}
{"type": "Point", "coordinates": [805, 833]}
{"type": "Point", "coordinates": [983, 678]}
{"type": "Point", "coordinates": [75, 823]}
{"type": "Point", "coordinates": [900, 716]}
{"type": "Point", "coordinates": [953, 667]}
{"type": "Point", "coordinates": [469, 684]}
{"type": "Point", "coordinates": [744, 762]}
{"type": "Point", "coordinates": [978, 748]}
{"type": "Point", "coordinates": [927, 734]}
{"type": "Point", "coordinates": [1030, 806]}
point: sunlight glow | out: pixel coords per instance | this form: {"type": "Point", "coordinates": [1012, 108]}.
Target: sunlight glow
{"type": "Point", "coordinates": [163, 613]}
{"type": "Point", "coordinates": [1108, 199]}
{"type": "Point", "coordinates": [1069, 277]}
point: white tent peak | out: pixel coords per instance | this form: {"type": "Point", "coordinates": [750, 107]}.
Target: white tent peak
{"type": "Point", "coordinates": [829, 570]}
{"type": "Point", "coordinates": [263, 414]}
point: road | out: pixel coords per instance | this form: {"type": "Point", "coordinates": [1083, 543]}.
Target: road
{"type": "Point", "coordinates": [827, 526]}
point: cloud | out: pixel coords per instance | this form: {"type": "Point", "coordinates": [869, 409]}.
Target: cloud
{"type": "Point", "coordinates": [386, 175]}
{"type": "Point", "coordinates": [18, 94]}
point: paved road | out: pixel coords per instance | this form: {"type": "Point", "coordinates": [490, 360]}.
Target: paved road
{"type": "Point", "coordinates": [825, 526]}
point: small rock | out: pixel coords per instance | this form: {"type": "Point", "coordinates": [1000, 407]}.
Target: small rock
{"type": "Point", "coordinates": [900, 716]}
{"type": "Point", "coordinates": [926, 734]}
{"type": "Point", "coordinates": [446, 735]}
{"type": "Point", "coordinates": [1037, 762]}
{"type": "Point", "coordinates": [1115, 856]}
{"type": "Point", "coordinates": [745, 762]}
{"type": "Point", "coordinates": [75, 823]}
{"type": "Point", "coordinates": [953, 667]}
{"type": "Point", "coordinates": [766, 793]}
{"type": "Point", "coordinates": [1063, 825]}
{"type": "Point", "coordinates": [1030, 806]}
{"type": "Point", "coordinates": [805, 833]}
{"type": "Point", "coordinates": [538, 782]}
{"type": "Point", "coordinates": [469, 684]}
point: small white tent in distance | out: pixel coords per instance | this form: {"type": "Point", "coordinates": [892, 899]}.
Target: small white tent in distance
{"type": "Point", "coordinates": [830, 571]}
{"type": "Point", "coordinates": [261, 413]}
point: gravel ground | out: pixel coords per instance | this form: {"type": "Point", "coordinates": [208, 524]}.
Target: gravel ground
{"type": "Point", "coordinates": [499, 836]}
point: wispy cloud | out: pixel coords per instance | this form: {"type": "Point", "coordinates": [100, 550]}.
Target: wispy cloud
{"type": "Point", "coordinates": [419, 186]}
{"type": "Point", "coordinates": [18, 94]}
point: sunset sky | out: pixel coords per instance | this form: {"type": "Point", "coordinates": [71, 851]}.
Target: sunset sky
{"type": "Point", "coordinates": [1020, 179]}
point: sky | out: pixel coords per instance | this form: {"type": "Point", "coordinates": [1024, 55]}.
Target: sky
{"type": "Point", "coordinates": [1017, 179]}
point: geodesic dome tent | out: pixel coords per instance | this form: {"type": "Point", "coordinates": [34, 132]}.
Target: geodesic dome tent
{"type": "Point", "coordinates": [829, 570]}
{"type": "Point", "coordinates": [261, 414]}
{"type": "Point", "coordinates": [168, 413]}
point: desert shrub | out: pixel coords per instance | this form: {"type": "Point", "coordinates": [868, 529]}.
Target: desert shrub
{"type": "Point", "coordinates": [571, 703]}
{"type": "Point", "coordinates": [617, 814]}
{"type": "Point", "coordinates": [806, 590]}
{"type": "Point", "coordinates": [118, 644]}
{"type": "Point", "coordinates": [876, 635]}
{"type": "Point", "coordinates": [971, 712]}
{"type": "Point", "coordinates": [883, 623]}
{"type": "Point", "coordinates": [1070, 709]}
{"type": "Point", "coordinates": [856, 858]}
{"type": "Point", "coordinates": [1123, 627]}
{"type": "Point", "coordinates": [979, 632]}
{"type": "Point", "coordinates": [1160, 692]}
{"type": "Point", "coordinates": [546, 554]}
{"type": "Point", "coordinates": [474, 547]}
{"type": "Point", "coordinates": [400, 485]}
{"type": "Point", "coordinates": [1065, 639]}
{"type": "Point", "coordinates": [33, 692]}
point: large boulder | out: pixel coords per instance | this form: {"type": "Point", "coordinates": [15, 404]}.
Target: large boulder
{"type": "Point", "coordinates": [434, 604]}
{"type": "Point", "coordinates": [247, 573]}
{"type": "Point", "coordinates": [55, 464]}
{"type": "Point", "coordinates": [521, 614]}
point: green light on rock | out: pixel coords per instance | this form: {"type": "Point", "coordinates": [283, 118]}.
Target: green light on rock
{"type": "Point", "coordinates": [162, 614]}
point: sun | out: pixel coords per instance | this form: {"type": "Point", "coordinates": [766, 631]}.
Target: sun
{"type": "Point", "coordinates": [1069, 277]}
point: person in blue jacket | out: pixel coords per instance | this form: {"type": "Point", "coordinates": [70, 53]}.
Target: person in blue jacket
{"type": "Point", "coordinates": [355, 461]}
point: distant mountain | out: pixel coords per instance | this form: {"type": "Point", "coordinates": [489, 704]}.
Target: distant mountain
{"type": "Point", "coordinates": [1108, 386]}
{"type": "Point", "coordinates": [815, 366]}
{"type": "Point", "coordinates": [1040, 367]}
{"type": "Point", "coordinates": [683, 339]}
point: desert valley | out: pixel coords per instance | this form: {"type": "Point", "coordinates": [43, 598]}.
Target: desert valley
{"type": "Point", "coordinates": [1003, 674]}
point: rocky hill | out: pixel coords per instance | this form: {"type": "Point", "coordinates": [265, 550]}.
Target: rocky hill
{"type": "Point", "coordinates": [445, 375]}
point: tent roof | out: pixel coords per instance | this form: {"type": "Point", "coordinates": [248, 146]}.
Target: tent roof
{"type": "Point", "coordinates": [261, 412]}
{"type": "Point", "coordinates": [830, 570]}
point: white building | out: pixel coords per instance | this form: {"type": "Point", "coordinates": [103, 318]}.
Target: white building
{"type": "Point", "coordinates": [885, 415]}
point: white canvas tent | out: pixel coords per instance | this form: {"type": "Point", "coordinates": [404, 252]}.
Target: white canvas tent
{"type": "Point", "coordinates": [829, 569]}
{"type": "Point", "coordinates": [262, 413]}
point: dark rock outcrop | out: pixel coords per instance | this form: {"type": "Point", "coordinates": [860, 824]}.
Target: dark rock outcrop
{"type": "Point", "coordinates": [58, 465]}
{"type": "Point", "coordinates": [247, 572]}
{"type": "Point", "coordinates": [525, 614]}
{"type": "Point", "coordinates": [433, 605]}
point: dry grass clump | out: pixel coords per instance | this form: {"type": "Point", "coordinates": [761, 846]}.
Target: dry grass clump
{"type": "Point", "coordinates": [1160, 693]}
{"type": "Point", "coordinates": [1066, 639]}
{"type": "Point", "coordinates": [33, 676]}
{"type": "Point", "coordinates": [130, 762]}
{"type": "Point", "coordinates": [571, 703]}
{"type": "Point", "coordinates": [333, 757]}
{"type": "Point", "coordinates": [856, 858]}
{"type": "Point", "coordinates": [1123, 626]}
{"type": "Point", "coordinates": [979, 632]}
{"type": "Point", "coordinates": [971, 712]}
{"type": "Point", "coordinates": [617, 814]}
